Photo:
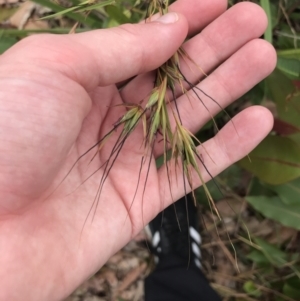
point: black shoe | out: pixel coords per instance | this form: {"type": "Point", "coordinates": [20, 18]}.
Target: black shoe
{"type": "Point", "coordinates": [174, 233]}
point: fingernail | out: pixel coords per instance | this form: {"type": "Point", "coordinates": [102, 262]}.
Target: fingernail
{"type": "Point", "coordinates": [168, 18]}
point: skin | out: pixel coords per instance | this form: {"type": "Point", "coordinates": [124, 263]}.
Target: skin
{"type": "Point", "coordinates": [57, 97]}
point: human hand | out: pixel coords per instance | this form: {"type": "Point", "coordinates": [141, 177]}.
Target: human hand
{"type": "Point", "coordinates": [58, 96]}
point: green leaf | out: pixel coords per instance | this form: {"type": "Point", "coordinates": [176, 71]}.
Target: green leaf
{"type": "Point", "coordinates": [289, 53]}
{"type": "Point", "coordinates": [265, 4]}
{"type": "Point", "coordinates": [291, 288]}
{"type": "Point", "coordinates": [96, 6]}
{"type": "Point", "coordinates": [289, 193]}
{"type": "Point", "coordinates": [87, 20]}
{"type": "Point", "coordinates": [274, 208]}
{"type": "Point", "coordinates": [25, 32]}
{"type": "Point", "coordinates": [63, 11]}
{"type": "Point", "coordinates": [117, 14]}
{"type": "Point", "coordinates": [285, 39]}
{"type": "Point", "coordinates": [214, 191]}
{"type": "Point", "coordinates": [272, 253]}
{"type": "Point", "coordinates": [259, 259]}
{"type": "Point", "coordinates": [251, 289]}
{"type": "Point", "coordinates": [257, 188]}
{"type": "Point", "coordinates": [6, 42]}
{"type": "Point", "coordinates": [283, 128]}
{"type": "Point", "coordinates": [282, 92]}
{"type": "Point", "coordinates": [160, 160]}
{"type": "Point", "coordinates": [230, 177]}
{"type": "Point", "coordinates": [275, 161]}
{"type": "Point", "coordinates": [289, 66]}
{"type": "Point", "coordinates": [274, 14]}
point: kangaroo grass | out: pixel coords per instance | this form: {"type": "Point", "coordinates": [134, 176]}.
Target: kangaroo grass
{"type": "Point", "coordinates": [160, 120]}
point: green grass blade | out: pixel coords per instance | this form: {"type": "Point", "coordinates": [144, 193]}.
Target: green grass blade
{"type": "Point", "coordinates": [96, 6]}
{"type": "Point", "coordinates": [77, 17]}
{"type": "Point", "coordinates": [117, 14]}
{"type": "Point", "coordinates": [61, 13]}
{"type": "Point", "coordinates": [25, 32]}
{"type": "Point", "coordinates": [265, 4]}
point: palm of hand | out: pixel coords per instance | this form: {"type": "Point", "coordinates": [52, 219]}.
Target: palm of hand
{"type": "Point", "coordinates": [58, 112]}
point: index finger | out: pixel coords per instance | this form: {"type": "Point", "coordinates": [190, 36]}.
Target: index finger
{"type": "Point", "coordinates": [210, 10]}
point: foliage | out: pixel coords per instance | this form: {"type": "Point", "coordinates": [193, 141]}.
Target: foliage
{"type": "Point", "coordinates": [273, 187]}
{"type": "Point", "coordinates": [275, 163]}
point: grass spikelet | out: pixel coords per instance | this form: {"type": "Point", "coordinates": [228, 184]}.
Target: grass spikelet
{"type": "Point", "coordinates": [160, 120]}
{"type": "Point", "coordinates": [155, 119]}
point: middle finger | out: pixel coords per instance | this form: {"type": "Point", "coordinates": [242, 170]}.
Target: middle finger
{"type": "Point", "coordinates": [217, 42]}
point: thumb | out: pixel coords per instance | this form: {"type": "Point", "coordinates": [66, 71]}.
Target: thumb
{"type": "Point", "coordinates": [107, 56]}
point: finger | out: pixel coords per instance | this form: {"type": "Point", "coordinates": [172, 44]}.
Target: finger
{"type": "Point", "coordinates": [199, 13]}
{"type": "Point", "coordinates": [224, 37]}
{"type": "Point", "coordinates": [247, 67]}
{"type": "Point", "coordinates": [103, 57]}
{"type": "Point", "coordinates": [227, 147]}
{"type": "Point", "coordinates": [217, 42]}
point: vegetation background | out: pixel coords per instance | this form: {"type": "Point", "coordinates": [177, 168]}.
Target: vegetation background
{"type": "Point", "coordinates": [258, 199]}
